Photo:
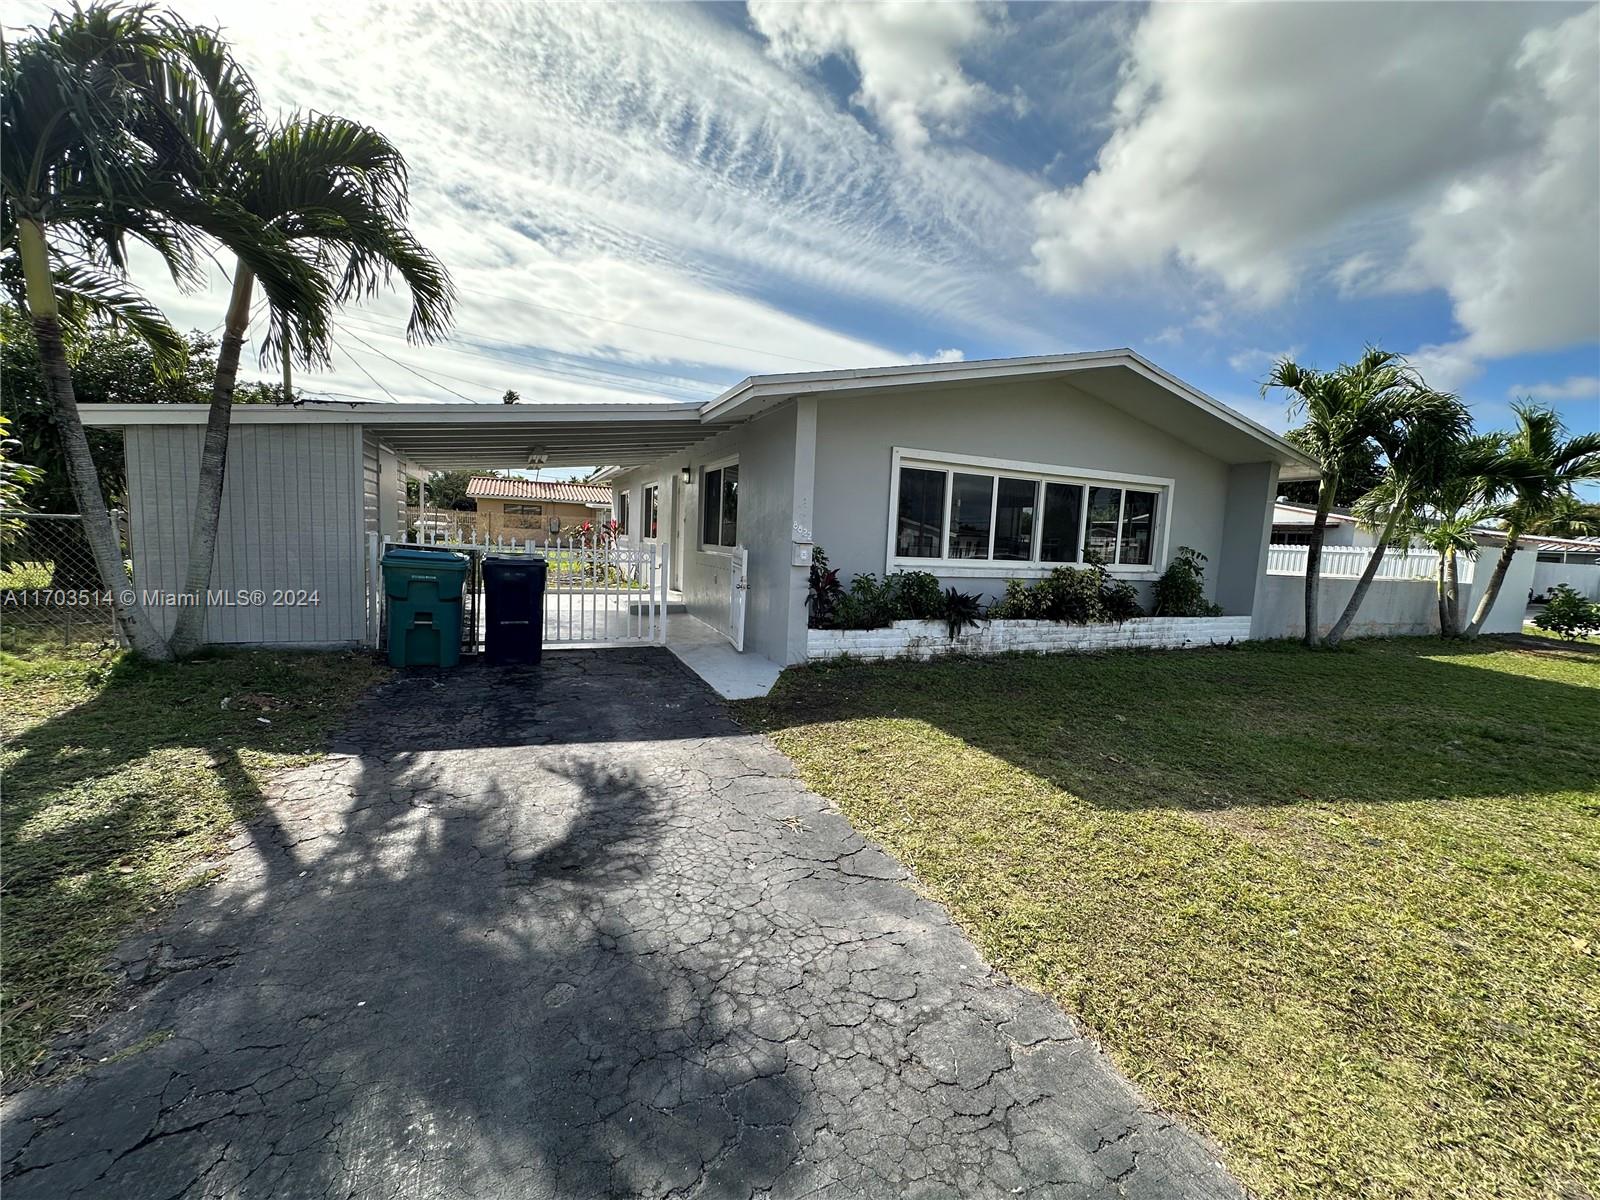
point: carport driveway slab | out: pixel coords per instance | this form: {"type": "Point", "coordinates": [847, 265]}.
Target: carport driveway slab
{"type": "Point", "coordinates": [573, 932]}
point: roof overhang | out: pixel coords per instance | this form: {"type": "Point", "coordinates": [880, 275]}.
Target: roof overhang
{"type": "Point", "coordinates": [470, 436]}
{"type": "Point", "coordinates": [1119, 378]}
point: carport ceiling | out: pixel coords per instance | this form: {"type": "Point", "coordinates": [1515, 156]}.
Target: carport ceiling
{"type": "Point", "coordinates": [473, 436]}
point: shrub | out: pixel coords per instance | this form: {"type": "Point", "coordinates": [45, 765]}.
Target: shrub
{"type": "Point", "coordinates": [913, 596]}
{"type": "Point", "coordinates": [822, 592]}
{"type": "Point", "coordinates": [960, 610]}
{"type": "Point", "coordinates": [1020, 603]}
{"type": "Point", "coordinates": [1569, 614]}
{"type": "Point", "coordinates": [864, 606]}
{"type": "Point", "coordinates": [1181, 590]}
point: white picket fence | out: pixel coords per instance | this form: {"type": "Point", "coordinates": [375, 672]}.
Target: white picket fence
{"type": "Point", "coordinates": [596, 591]}
{"type": "Point", "coordinates": [1348, 562]}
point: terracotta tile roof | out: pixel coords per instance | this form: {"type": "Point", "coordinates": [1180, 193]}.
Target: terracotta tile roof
{"type": "Point", "coordinates": [492, 488]}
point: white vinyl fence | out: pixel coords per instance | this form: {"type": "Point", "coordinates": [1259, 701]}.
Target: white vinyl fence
{"type": "Point", "coordinates": [596, 592]}
{"type": "Point", "coordinates": [1347, 562]}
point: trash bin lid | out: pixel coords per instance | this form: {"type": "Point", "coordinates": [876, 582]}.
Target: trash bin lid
{"type": "Point", "coordinates": [525, 561]}
{"type": "Point", "coordinates": [424, 558]}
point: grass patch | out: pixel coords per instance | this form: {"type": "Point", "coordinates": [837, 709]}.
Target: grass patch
{"type": "Point", "coordinates": [121, 778]}
{"type": "Point", "coordinates": [1341, 910]}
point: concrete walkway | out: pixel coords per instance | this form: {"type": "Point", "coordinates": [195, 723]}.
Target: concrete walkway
{"type": "Point", "coordinates": [572, 933]}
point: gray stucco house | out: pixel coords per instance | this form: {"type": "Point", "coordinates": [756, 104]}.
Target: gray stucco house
{"type": "Point", "coordinates": [975, 471]}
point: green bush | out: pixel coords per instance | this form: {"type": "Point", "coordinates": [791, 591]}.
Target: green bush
{"type": "Point", "coordinates": [1569, 614]}
{"type": "Point", "coordinates": [1084, 595]}
{"type": "Point", "coordinates": [1181, 590]}
{"type": "Point", "coordinates": [913, 596]}
{"type": "Point", "coordinates": [960, 610]}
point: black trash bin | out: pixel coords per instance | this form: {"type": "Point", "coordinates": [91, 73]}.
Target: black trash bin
{"type": "Point", "coordinates": [513, 593]}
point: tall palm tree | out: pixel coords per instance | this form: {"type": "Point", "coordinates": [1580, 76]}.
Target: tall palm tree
{"type": "Point", "coordinates": [1423, 449]}
{"type": "Point", "coordinates": [335, 190]}
{"type": "Point", "coordinates": [1453, 514]}
{"type": "Point", "coordinates": [95, 149]}
{"type": "Point", "coordinates": [1542, 465]}
{"type": "Point", "coordinates": [1569, 518]}
{"type": "Point", "coordinates": [1345, 411]}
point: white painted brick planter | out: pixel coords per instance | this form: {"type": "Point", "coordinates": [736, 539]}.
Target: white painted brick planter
{"type": "Point", "coordinates": [929, 639]}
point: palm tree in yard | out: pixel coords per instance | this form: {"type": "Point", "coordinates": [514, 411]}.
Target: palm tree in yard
{"type": "Point", "coordinates": [1454, 513]}
{"type": "Point", "coordinates": [1542, 466]}
{"type": "Point", "coordinates": [1424, 451]}
{"type": "Point", "coordinates": [1345, 411]}
{"type": "Point", "coordinates": [95, 114]}
{"type": "Point", "coordinates": [335, 191]}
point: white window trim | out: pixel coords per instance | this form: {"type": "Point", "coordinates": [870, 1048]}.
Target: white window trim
{"type": "Point", "coordinates": [993, 568]}
{"type": "Point", "coordinates": [644, 511]}
{"type": "Point", "coordinates": [716, 464]}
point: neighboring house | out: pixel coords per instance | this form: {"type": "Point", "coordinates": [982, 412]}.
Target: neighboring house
{"type": "Point", "coordinates": [977, 472]}
{"type": "Point", "coordinates": [534, 510]}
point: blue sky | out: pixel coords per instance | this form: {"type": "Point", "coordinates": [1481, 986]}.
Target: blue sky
{"type": "Point", "coordinates": [652, 201]}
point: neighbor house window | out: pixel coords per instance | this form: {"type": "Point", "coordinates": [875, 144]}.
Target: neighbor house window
{"type": "Point", "coordinates": [719, 506]}
{"type": "Point", "coordinates": [524, 510]}
{"type": "Point", "coordinates": [978, 511]}
{"type": "Point", "coordinates": [652, 510]}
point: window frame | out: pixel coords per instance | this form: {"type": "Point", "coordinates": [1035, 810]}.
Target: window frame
{"type": "Point", "coordinates": [621, 514]}
{"type": "Point", "coordinates": [650, 513]}
{"type": "Point", "coordinates": [1041, 474]}
{"type": "Point", "coordinates": [521, 508]}
{"type": "Point", "coordinates": [702, 545]}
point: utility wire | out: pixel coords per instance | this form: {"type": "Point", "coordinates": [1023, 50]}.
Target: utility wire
{"type": "Point", "coordinates": [363, 369]}
{"type": "Point", "coordinates": [406, 367]}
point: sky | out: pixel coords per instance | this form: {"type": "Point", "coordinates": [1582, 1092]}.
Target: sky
{"type": "Point", "coordinates": [649, 202]}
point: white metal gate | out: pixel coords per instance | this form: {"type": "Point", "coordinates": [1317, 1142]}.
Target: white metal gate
{"type": "Point", "coordinates": [739, 589]}
{"type": "Point", "coordinates": [596, 592]}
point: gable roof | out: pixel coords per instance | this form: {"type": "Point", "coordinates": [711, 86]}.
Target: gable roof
{"type": "Point", "coordinates": [1159, 398]}
{"type": "Point", "coordinates": [494, 487]}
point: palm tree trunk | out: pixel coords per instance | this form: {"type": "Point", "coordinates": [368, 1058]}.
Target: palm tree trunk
{"type": "Point", "coordinates": [189, 633]}
{"type": "Point", "coordinates": [1492, 592]}
{"type": "Point", "coordinates": [1364, 584]}
{"type": "Point", "coordinates": [133, 621]}
{"type": "Point", "coordinates": [1450, 624]}
{"type": "Point", "coordinates": [1319, 531]}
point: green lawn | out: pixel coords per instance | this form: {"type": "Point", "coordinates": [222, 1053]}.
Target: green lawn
{"type": "Point", "coordinates": [120, 780]}
{"type": "Point", "coordinates": [1339, 909]}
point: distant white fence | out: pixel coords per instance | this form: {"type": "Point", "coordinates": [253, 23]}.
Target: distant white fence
{"type": "Point", "coordinates": [1347, 562]}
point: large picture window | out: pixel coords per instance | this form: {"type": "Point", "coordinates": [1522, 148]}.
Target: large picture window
{"type": "Point", "coordinates": [719, 506]}
{"type": "Point", "coordinates": [977, 512]}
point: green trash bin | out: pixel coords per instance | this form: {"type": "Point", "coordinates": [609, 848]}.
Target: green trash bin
{"type": "Point", "coordinates": [424, 593]}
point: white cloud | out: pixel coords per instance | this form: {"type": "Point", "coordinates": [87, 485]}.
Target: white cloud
{"type": "Point", "coordinates": [1446, 368]}
{"type": "Point", "coordinates": [908, 56]}
{"type": "Point", "coordinates": [1256, 144]}
{"type": "Point", "coordinates": [949, 355]}
{"type": "Point", "coordinates": [1251, 361]}
{"type": "Point", "coordinates": [1575, 387]}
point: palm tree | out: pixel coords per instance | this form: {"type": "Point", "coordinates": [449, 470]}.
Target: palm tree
{"type": "Point", "coordinates": [1541, 466]}
{"type": "Point", "coordinates": [95, 113]}
{"type": "Point", "coordinates": [335, 191]}
{"type": "Point", "coordinates": [1345, 411]}
{"type": "Point", "coordinates": [1570, 518]}
{"type": "Point", "coordinates": [1452, 515]}
{"type": "Point", "coordinates": [1423, 449]}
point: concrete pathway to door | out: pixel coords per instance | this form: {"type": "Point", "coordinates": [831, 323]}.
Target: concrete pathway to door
{"type": "Point", "coordinates": [573, 933]}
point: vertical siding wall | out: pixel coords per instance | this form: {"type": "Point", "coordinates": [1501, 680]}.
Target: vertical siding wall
{"type": "Point", "coordinates": [291, 521]}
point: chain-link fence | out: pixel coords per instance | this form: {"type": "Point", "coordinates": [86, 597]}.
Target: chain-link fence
{"type": "Point", "coordinates": [49, 587]}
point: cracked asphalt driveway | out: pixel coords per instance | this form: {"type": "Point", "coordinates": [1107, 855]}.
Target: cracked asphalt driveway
{"type": "Point", "coordinates": [574, 933]}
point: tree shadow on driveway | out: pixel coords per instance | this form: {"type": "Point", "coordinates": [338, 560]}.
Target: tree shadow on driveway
{"type": "Point", "coordinates": [573, 933]}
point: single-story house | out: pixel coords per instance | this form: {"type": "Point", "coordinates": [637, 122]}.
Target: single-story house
{"type": "Point", "coordinates": [977, 472]}
{"type": "Point", "coordinates": [536, 510]}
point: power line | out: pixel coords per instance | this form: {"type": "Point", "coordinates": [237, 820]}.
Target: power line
{"type": "Point", "coordinates": [405, 367]}
{"type": "Point", "coordinates": [472, 337]}
{"type": "Point", "coordinates": [363, 369]}
{"type": "Point", "coordinates": [651, 329]}
{"type": "Point", "coordinates": [581, 374]}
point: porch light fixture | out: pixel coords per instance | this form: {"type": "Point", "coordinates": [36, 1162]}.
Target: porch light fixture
{"type": "Point", "coordinates": [537, 456]}
{"type": "Point", "coordinates": [687, 475]}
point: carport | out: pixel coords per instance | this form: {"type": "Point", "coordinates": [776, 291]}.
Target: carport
{"type": "Point", "coordinates": [315, 490]}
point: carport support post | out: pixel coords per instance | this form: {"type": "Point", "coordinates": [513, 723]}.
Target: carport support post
{"type": "Point", "coordinates": [802, 509]}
